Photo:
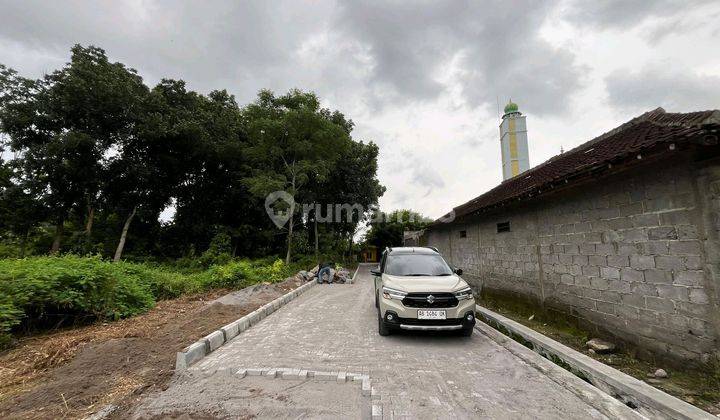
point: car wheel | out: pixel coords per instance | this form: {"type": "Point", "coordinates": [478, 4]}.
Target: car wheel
{"type": "Point", "coordinates": [383, 330]}
{"type": "Point", "coordinates": [467, 331]}
{"type": "Point", "coordinates": [377, 301]}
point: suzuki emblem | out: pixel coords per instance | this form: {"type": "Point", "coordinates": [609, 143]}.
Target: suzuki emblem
{"type": "Point", "coordinates": [431, 299]}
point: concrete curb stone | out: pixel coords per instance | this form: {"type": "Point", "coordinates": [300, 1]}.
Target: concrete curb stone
{"type": "Point", "coordinates": [190, 355]}
{"type": "Point", "coordinates": [214, 340]}
{"type": "Point", "coordinates": [325, 376]}
{"type": "Point", "coordinates": [231, 330]}
{"type": "Point", "coordinates": [366, 388]}
{"type": "Point", "coordinates": [377, 412]}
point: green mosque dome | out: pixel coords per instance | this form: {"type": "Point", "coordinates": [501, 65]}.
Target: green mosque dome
{"type": "Point", "coordinates": [511, 107]}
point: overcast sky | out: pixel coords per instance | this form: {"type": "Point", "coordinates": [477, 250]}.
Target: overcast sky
{"type": "Point", "coordinates": [421, 79]}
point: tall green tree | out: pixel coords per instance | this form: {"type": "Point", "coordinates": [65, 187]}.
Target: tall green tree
{"type": "Point", "coordinates": [291, 139]}
{"type": "Point", "coordinates": [355, 184]}
{"type": "Point", "coordinates": [20, 211]}
{"type": "Point", "coordinates": [214, 199]}
{"type": "Point", "coordinates": [66, 124]}
{"type": "Point", "coordinates": [157, 157]}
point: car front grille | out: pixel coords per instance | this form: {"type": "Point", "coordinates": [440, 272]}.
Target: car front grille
{"type": "Point", "coordinates": [439, 300]}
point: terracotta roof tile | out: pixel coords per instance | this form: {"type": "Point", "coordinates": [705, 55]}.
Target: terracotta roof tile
{"type": "Point", "coordinates": [638, 134]}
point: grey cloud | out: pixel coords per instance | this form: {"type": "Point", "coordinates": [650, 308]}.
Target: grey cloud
{"type": "Point", "coordinates": [427, 177]}
{"type": "Point", "coordinates": [499, 45]}
{"type": "Point", "coordinates": [625, 13]}
{"type": "Point", "coordinates": [374, 53]}
{"type": "Point", "coordinates": [422, 174]}
{"type": "Point", "coordinates": [657, 85]}
{"type": "Point", "coordinates": [660, 19]}
{"type": "Point", "coordinates": [682, 23]}
{"type": "Point", "coordinates": [240, 46]}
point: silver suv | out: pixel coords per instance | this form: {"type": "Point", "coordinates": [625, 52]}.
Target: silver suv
{"type": "Point", "coordinates": [416, 289]}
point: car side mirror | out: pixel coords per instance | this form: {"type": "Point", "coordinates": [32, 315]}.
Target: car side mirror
{"type": "Point", "coordinates": [375, 271]}
{"type": "Point", "coordinates": [458, 271]}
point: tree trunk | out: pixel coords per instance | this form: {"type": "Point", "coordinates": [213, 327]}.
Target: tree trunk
{"type": "Point", "coordinates": [290, 232]}
{"type": "Point", "coordinates": [123, 235]}
{"type": "Point", "coordinates": [350, 244]}
{"type": "Point", "coordinates": [317, 247]}
{"type": "Point", "coordinates": [292, 213]}
{"type": "Point", "coordinates": [23, 243]}
{"type": "Point", "coordinates": [90, 219]}
{"type": "Point", "coordinates": [59, 228]}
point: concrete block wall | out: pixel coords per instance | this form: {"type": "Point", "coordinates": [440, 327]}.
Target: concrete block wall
{"type": "Point", "coordinates": [635, 255]}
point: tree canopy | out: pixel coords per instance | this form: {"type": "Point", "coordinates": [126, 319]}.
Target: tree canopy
{"type": "Point", "coordinates": [97, 156]}
{"type": "Point", "coordinates": [388, 231]}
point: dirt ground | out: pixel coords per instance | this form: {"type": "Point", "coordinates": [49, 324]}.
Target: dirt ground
{"type": "Point", "coordinates": [74, 373]}
{"type": "Point", "coordinates": [699, 388]}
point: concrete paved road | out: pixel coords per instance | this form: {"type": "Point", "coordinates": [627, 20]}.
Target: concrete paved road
{"type": "Point", "coordinates": [334, 328]}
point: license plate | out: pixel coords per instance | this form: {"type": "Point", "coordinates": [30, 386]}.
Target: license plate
{"type": "Point", "coordinates": [431, 314]}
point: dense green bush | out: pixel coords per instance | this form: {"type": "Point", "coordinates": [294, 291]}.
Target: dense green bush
{"type": "Point", "coordinates": [242, 273]}
{"type": "Point", "coordinates": [70, 285]}
{"type": "Point", "coordinates": [90, 287]}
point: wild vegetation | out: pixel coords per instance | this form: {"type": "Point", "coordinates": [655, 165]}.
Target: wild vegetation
{"type": "Point", "coordinates": [44, 291]}
{"type": "Point", "coordinates": [90, 157]}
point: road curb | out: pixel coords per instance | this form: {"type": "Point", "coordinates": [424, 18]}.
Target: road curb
{"type": "Point", "coordinates": [646, 400]}
{"type": "Point", "coordinates": [366, 389]}
{"type": "Point", "coordinates": [216, 339]}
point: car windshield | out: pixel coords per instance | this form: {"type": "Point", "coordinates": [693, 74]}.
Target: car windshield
{"type": "Point", "coordinates": [417, 265]}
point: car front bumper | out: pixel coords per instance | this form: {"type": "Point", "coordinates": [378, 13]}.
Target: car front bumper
{"type": "Point", "coordinates": [405, 318]}
{"type": "Point", "coordinates": [431, 327]}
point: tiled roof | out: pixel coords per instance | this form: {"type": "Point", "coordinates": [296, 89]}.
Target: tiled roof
{"type": "Point", "coordinates": [641, 133]}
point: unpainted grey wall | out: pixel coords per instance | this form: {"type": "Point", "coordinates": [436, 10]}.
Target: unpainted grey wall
{"type": "Point", "coordinates": [636, 254]}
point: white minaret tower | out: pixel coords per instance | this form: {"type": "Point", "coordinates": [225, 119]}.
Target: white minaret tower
{"type": "Point", "coordinates": [513, 142]}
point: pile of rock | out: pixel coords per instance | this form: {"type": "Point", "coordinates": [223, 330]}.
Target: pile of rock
{"type": "Point", "coordinates": [305, 276]}
{"type": "Point", "coordinates": [329, 275]}
{"type": "Point", "coordinates": [343, 275]}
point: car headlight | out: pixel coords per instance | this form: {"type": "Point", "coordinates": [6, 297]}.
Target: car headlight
{"type": "Point", "coordinates": [463, 294]}
{"type": "Point", "coordinates": [389, 293]}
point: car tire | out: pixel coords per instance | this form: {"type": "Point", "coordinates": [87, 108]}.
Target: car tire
{"type": "Point", "coordinates": [467, 331]}
{"type": "Point", "coordinates": [377, 301]}
{"type": "Point", "coordinates": [383, 330]}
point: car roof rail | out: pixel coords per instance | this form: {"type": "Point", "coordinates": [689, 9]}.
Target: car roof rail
{"type": "Point", "coordinates": [433, 248]}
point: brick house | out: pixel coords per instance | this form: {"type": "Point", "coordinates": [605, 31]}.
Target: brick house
{"type": "Point", "coordinates": [621, 233]}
